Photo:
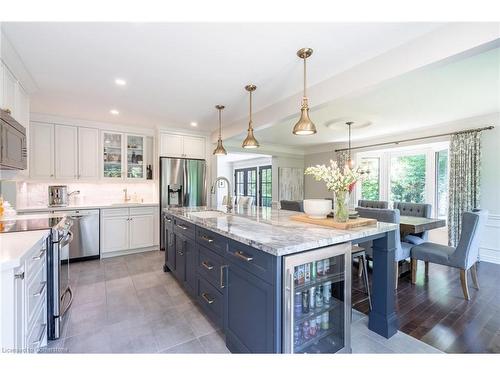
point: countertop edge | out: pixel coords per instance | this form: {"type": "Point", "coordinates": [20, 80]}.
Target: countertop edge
{"type": "Point", "coordinates": [16, 261]}
{"type": "Point", "coordinates": [85, 207]}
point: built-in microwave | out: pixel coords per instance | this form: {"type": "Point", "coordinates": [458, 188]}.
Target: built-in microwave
{"type": "Point", "coordinates": [13, 153]}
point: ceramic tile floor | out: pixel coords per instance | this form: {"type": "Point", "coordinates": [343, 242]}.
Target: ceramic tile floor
{"type": "Point", "coordinates": [127, 304]}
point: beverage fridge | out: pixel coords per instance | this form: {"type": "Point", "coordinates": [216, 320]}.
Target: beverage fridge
{"type": "Point", "coordinates": [183, 182]}
{"type": "Point", "coordinates": [317, 301]}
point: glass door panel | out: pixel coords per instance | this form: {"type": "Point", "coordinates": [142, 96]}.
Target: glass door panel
{"type": "Point", "coordinates": [135, 156]}
{"type": "Point", "coordinates": [320, 304]}
{"type": "Point", "coordinates": [112, 153]}
{"type": "Point", "coordinates": [265, 181]}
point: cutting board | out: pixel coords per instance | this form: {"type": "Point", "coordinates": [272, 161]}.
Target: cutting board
{"type": "Point", "coordinates": [329, 222]}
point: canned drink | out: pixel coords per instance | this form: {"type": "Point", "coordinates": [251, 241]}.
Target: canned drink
{"type": "Point", "coordinates": [305, 330]}
{"type": "Point", "coordinates": [327, 291]}
{"type": "Point", "coordinates": [313, 271]}
{"type": "Point", "coordinates": [319, 296]}
{"type": "Point", "coordinates": [307, 272]}
{"type": "Point", "coordinates": [297, 303]}
{"type": "Point", "coordinates": [300, 274]}
{"type": "Point", "coordinates": [312, 298]}
{"type": "Point", "coordinates": [326, 266]}
{"type": "Point", "coordinates": [319, 267]}
{"type": "Point", "coordinates": [318, 321]}
{"type": "Point", "coordinates": [297, 334]}
{"type": "Point", "coordinates": [313, 327]}
{"type": "Point", "coordinates": [305, 301]}
{"type": "Point", "coordinates": [325, 321]}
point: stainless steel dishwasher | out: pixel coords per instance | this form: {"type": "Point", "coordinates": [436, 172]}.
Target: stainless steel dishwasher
{"type": "Point", "coordinates": [85, 229]}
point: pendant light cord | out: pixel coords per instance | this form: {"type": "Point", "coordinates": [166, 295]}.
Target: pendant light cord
{"type": "Point", "coordinates": [250, 122]}
{"type": "Point", "coordinates": [305, 79]}
{"type": "Point", "coordinates": [220, 123]}
{"type": "Point", "coordinates": [349, 141]}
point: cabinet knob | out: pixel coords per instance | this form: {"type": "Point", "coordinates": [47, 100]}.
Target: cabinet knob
{"type": "Point", "coordinates": [19, 276]}
{"type": "Point", "coordinates": [51, 175]}
{"type": "Point", "coordinates": [7, 110]}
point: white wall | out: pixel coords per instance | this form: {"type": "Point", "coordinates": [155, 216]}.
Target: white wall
{"type": "Point", "coordinates": [490, 172]}
{"type": "Point", "coordinates": [283, 161]}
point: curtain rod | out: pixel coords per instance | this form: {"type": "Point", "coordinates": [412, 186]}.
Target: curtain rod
{"type": "Point", "coordinates": [417, 139]}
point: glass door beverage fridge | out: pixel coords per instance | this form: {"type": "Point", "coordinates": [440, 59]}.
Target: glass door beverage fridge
{"type": "Point", "coordinates": [317, 301]}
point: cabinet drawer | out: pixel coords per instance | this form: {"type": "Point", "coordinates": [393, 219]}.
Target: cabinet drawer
{"type": "Point", "coordinates": [184, 228]}
{"type": "Point", "coordinates": [36, 292]}
{"type": "Point", "coordinates": [142, 211]}
{"type": "Point", "coordinates": [36, 260]}
{"type": "Point", "coordinates": [36, 335]}
{"type": "Point", "coordinates": [110, 212]}
{"type": "Point", "coordinates": [211, 240]}
{"type": "Point", "coordinates": [210, 267]}
{"type": "Point", "coordinates": [253, 260]}
{"type": "Point", "coordinates": [211, 301]}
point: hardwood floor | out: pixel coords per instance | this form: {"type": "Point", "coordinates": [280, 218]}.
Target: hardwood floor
{"type": "Point", "coordinates": [434, 310]}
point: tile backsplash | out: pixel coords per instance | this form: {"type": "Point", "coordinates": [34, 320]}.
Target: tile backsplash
{"type": "Point", "coordinates": [35, 194]}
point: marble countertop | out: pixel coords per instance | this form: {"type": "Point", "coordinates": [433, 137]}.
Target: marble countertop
{"type": "Point", "coordinates": [14, 246]}
{"type": "Point", "coordinates": [85, 207]}
{"type": "Point", "coordinates": [272, 230]}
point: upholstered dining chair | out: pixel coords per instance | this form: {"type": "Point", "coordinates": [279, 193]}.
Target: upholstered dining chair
{"type": "Point", "coordinates": [416, 210]}
{"type": "Point", "coordinates": [463, 257]}
{"type": "Point", "coordinates": [372, 204]}
{"type": "Point", "coordinates": [292, 205]}
{"type": "Point", "coordinates": [403, 249]}
{"type": "Point", "coordinates": [245, 201]}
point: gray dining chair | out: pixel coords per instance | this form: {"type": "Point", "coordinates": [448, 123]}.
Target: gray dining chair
{"type": "Point", "coordinates": [403, 249]}
{"type": "Point", "coordinates": [416, 210]}
{"type": "Point", "coordinates": [463, 257]}
{"type": "Point", "coordinates": [372, 204]}
{"type": "Point", "coordinates": [292, 205]}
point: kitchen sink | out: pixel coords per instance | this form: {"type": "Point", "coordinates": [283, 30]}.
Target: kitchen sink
{"type": "Point", "coordinates": [209, 214]}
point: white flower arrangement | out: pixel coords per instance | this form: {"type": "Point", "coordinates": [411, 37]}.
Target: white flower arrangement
{"type": "Point", "coordinates": [336, 179]}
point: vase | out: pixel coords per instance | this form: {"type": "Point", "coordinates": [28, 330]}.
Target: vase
{"type": "Point", "coordinates": [341, 204]}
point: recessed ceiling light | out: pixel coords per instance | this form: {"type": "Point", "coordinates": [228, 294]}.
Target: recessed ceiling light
{"type": "Point", "coordinates": [193, 123]}
{"type": "Point", "coordinates": [114, 112]}
{"type": "Point", "coordinates": [120, 82]}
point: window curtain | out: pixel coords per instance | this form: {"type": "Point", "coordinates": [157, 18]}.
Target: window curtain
{"type": "Point", "coordinates": [464, 184]}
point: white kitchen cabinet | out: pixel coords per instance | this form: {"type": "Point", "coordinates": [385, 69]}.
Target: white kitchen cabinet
{"type": "Point", "coordinates": [88, 153]}
{"type": "Point", "coordinates": [127, 229]}
{"type": "Point", "coordinates": [66, 152]}
{"type": "Point", "coordinates": [22, 106]}
{"type": "Point", "coordinates": [194, 147]}
{"type": "Point", "coordinates": [24, 302]}
{"type": "Point", "coordinates": [1, 84]}
{"type": "Point", "coordinates": [9, 91]}
{"type": "Point", "coordinates": [123, 156]}
{"type": "Point", "coordinates": [135, 167]}
{"type": "Point", "coordinates": [41, 150]}
{"type": "Point", "coordinates": [182, 146]}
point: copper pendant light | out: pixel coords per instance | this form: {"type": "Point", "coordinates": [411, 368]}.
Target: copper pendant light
{"type": "Point", "coordinates": [304, 126]}
{"type": "Point", "coordinates": [250, 141]}
{"type": "Point", "coordinates": [350, 162]}
{"type": "Point", "coordinates": [220, 150]}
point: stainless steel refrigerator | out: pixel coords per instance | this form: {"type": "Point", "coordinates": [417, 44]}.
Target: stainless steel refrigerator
{"type": "Point", "coordinates": [183, 182]}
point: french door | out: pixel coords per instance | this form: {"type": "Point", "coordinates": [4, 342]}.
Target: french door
{"type": "Point", "coordinates": [245, 183]}
{"type": "Point", "coordinates": [265, 186]}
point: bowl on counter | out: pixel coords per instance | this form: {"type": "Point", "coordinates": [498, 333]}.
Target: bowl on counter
{"type": "Point", "coordinates": [317, 208]}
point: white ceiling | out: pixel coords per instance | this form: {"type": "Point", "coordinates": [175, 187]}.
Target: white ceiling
{"type": "Point", "coordinates": [440, 93]}
{"type": "Point", "coordinates": [176, 73]}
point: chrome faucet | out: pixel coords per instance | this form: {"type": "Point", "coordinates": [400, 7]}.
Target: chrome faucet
{"type": "Point", "coordinates": [73, 192]}
{"type": "Point", "coordinates": [127, 198]}
{"type": "Point", "coordinates": [229, 205]}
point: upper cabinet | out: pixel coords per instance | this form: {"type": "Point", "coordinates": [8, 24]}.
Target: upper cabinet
{"type": "Point", "coordinates": [13, 97]}
{"type": "Point", "coordinates": [88, 156]}
{"type": "Point", "coordinates": [182, 146]}
{"type": "Point", "coordinates": [66, 155]}
{"type": "Point", "coordinates": [41, 153]}
{"type": "Point", "coordinates": [123, 156]}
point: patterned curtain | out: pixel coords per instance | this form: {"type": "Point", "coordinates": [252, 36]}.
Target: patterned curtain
{"type": "Point", "coordinates": [465, 167]}
{"type": "Point", "coordinates": [342, 158]}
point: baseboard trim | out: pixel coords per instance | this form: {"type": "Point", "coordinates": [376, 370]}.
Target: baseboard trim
{"type": "Point", "coordinates": [489, 255]}
{"type": "Point", "coordinates": [128, 252]}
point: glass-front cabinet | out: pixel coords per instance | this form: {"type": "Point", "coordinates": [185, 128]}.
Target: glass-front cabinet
{"type": "Point", "coordinates": [317, 301]}
{"type": "Point", "coordinates": [135, 156]}
{"type": "Point", "coordinates": [123, 156]}
{"type": "Point", "coordinates": [112, 145]}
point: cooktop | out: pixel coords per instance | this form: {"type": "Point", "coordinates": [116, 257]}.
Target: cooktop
{"type": "Point", "coordinates": [23, 225]}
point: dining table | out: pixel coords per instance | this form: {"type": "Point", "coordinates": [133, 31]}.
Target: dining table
{"type": "Point", "coordinates": [415, 224]}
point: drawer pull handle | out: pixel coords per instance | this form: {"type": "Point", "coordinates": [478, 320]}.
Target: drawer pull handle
{"type": "Point", "coordinates": [182, 227]}
{"type": "Point", "coordinates": [242, 255]}
{"type": "Point", "coordinates": [207, 265]}
{"type": "Point", "coordinates": [168, 220]}
{"type": "Point", "coordinates": [40, 255]}
{"type": "Point", "coordinates": [40, 291]}
{"type": "Point", "coordinates": [19, 276]}
{"type": "Point", "coordinates": [180, 253]}
{"type": "Point", "coordinates": [43, 327]}
{"type": "Point", "coordinates": [207, 298]}
{"type": "Point", "coordinates": [206, 238]}
{"type": "Point", "coordinates": [222, 286]}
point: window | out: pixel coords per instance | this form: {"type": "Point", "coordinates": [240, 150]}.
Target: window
{"type": "Point", "coordinates": [408, 178]}
{"type": "Point", "coordinates": [265, 186]}
{"type": "Point", "coordinates": [370, 186]}
{"type": "Point", "coordinates": [245, 183]}
{"type": "Point", "coordinates": [442, 183]}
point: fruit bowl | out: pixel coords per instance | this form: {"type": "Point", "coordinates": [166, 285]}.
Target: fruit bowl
{"type": "Point", "coordinates": [317, 208]}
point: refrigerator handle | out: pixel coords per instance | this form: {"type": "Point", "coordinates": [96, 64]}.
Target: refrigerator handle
{"type": "Point", "coordinates": [185, 185]}
{"type": "Point", "coordinates": [289, 312]}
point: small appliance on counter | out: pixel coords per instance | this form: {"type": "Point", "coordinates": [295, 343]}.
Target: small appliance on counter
{"type": "Point", "coordinates": [58, 195]}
